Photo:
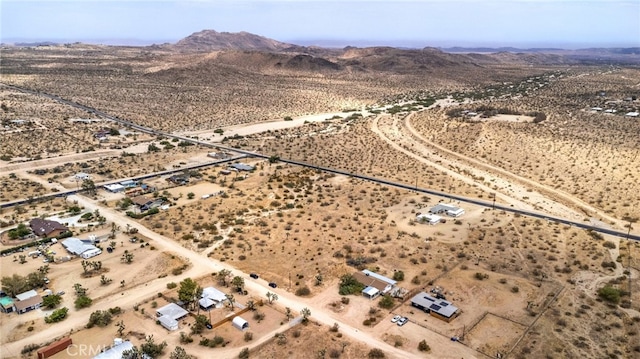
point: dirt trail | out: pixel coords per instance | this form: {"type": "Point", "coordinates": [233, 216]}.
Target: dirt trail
{"type": "Point", "coordinates": [200, 265]}
{"type": "Point", "coordinates": [561, 198]}
{"type": "Point", "coordinates": [440, 164]}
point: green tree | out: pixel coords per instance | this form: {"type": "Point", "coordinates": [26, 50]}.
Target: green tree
{"type": "Point", "coordinates": [187, 291]}
{"type": "Point", "coordinates": [58, 315]}
{"type": "Point", "coordinates": [223, 276]}
{"type": "Point", "coordinates": [89, 186]}
{"type": "Point", "coordinates": [101, 318]}
{"type": "Point", "coordinates": [423, 346]}
{"type": "Point", "coordinates": [306, 313]}
{"type": "Point", "coordinates": [19, 232]}
{"type": "Point", "coordinates": [51, 301]}
{"type": "Point", "coordinates": [191, 195]}
{"type": "Point", "coordinates": [610, 294]}
{"type": "Point", "coordinates": [398, 276]}
{"type": "Point", "coordinates": [238, 282]}
{"type": "Point", "coordinates": [83, 302]}
{"type": "Point", "coordinates": [127, 257]}
{"type": "Point", "coordinates": [386, 302]}
{"type": "Point", "coordinates": [36, 279]}
{"type": "Point", "coordinates": [80, 291]}
{"type": "Point", "coordinates": [151, 348]}
{"type": "Point", "coordinates": [349, 285]}
{"type": "Point", "coordinates": [15, 284]}
{"type": "Point", "coordinates": [180, 353]}
{"type": "Point", "coordinates": [200, 324]}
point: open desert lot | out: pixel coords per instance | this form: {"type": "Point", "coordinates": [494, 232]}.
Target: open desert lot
{"type": "Point", "coordinates": [306, 182]}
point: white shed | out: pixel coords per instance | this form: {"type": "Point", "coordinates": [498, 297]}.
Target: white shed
{"type": "Point", "coordinates": [240, 323]}
{"type": "Point", "coordinates": [91, 253]}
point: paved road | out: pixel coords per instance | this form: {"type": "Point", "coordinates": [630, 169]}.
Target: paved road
{"type": "Point", "coordinates": [152, 131]}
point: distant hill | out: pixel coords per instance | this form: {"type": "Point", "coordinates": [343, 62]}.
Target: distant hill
{"type": "Point", "coordinates": [211, 40]}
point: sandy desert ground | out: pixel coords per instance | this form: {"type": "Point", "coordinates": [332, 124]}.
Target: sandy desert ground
{"type": "Point", "coordinates": [527, 288]}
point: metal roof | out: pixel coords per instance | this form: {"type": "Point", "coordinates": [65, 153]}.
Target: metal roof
{"type": "Point", "coordinates": [26, 295]}
{"type": "Point", "coordinates": [77, 246]}
{"type": "Point", "coordinates": [172, 310]}
{"type": "Point", "coordinates": [379, 276]}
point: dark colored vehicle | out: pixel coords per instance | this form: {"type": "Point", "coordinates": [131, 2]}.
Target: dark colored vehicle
{"type": "Point", "coordinates": [272, 285]}
{"type": "Point", "coordinates": [209, 326]}
{"type": "Point", "coordinates": [253, 275]}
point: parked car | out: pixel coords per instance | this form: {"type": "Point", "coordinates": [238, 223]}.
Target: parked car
{"type": "Point", "coordinates": [402, 321]}
{"type": "Point", "coordinates": [209, 326]}
{"type": "Point", "coordinates": [395, 319]}
{"type": "Point", "coordinates": [60, 292]}
{"type": "Point", "coordinates": [272, 285]}
{"type": "Point", "coordinates": [253, 275]}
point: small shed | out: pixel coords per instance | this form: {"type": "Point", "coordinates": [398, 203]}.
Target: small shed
{"type": "Point", "coordinates": [240, 323]}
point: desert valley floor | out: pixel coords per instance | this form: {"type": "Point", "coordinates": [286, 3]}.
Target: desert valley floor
{"type": "Point", "coordinates": [296, 186]}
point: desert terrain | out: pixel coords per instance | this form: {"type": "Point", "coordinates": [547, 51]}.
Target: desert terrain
{"type": "Point", "coordinates": [536, 133]}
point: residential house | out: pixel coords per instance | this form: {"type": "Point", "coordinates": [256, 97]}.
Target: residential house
{"type": "Point", "coordinates": [179, 179]}
{"type": "Point", "coordinates": [448, 209]}
{"type": "Point", "coordinates": [6, 304]}
{"type": "Point", "coordinates": [31, 303]}
{"type": "Point", "coordinates": [169, 315]}
{"type": "Point", "coordinates": [79, 247]}
{"type": "Point", "coordinates": [145, 203]}
{"type": "Point", "coordinates": [46, 228]}
{"type": "Point", "coordinates": [242, 167]}
{"type": "Point", "coordinates": [211, 298]}
{"type": "Point", "coordinates": [371, 281]}
{"type": "Point", "coordinates": [438, 308]}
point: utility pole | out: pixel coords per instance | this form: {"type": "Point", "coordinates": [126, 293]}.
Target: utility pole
{"type": "Point", "coordinates": [494, 201]}
{"type": "Point", "coordinates": [629, 262]}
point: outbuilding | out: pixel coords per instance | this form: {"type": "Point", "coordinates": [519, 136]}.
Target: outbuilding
{"type": "Point", "coordinates": [428, 218]}
{"type": "Point", "coordinates": [239, 323]}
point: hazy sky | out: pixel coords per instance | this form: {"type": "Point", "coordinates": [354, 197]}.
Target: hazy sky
{"type": "Point", "coordinates": [418, 23]}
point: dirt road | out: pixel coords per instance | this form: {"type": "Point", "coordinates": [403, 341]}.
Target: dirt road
{"type": "Point", "coordinates": [200, 265]}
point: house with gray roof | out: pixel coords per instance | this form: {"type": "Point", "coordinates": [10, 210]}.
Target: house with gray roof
{"type": "Point", "coordinates": [438, 308]}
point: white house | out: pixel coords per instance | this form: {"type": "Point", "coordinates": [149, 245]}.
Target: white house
{"type": "Point", "coordinates": [428, 218]}
{"type": "Point", "coordinates": [82, 176]}
{"type": "Point", "coordinates": [211, 298]}
{"type": "Point", "coordinates": [79, 247]}
{"type": "Point", "coordinates": [449, 209]}
{"type": "Point", "coordinates": [169, 315]}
